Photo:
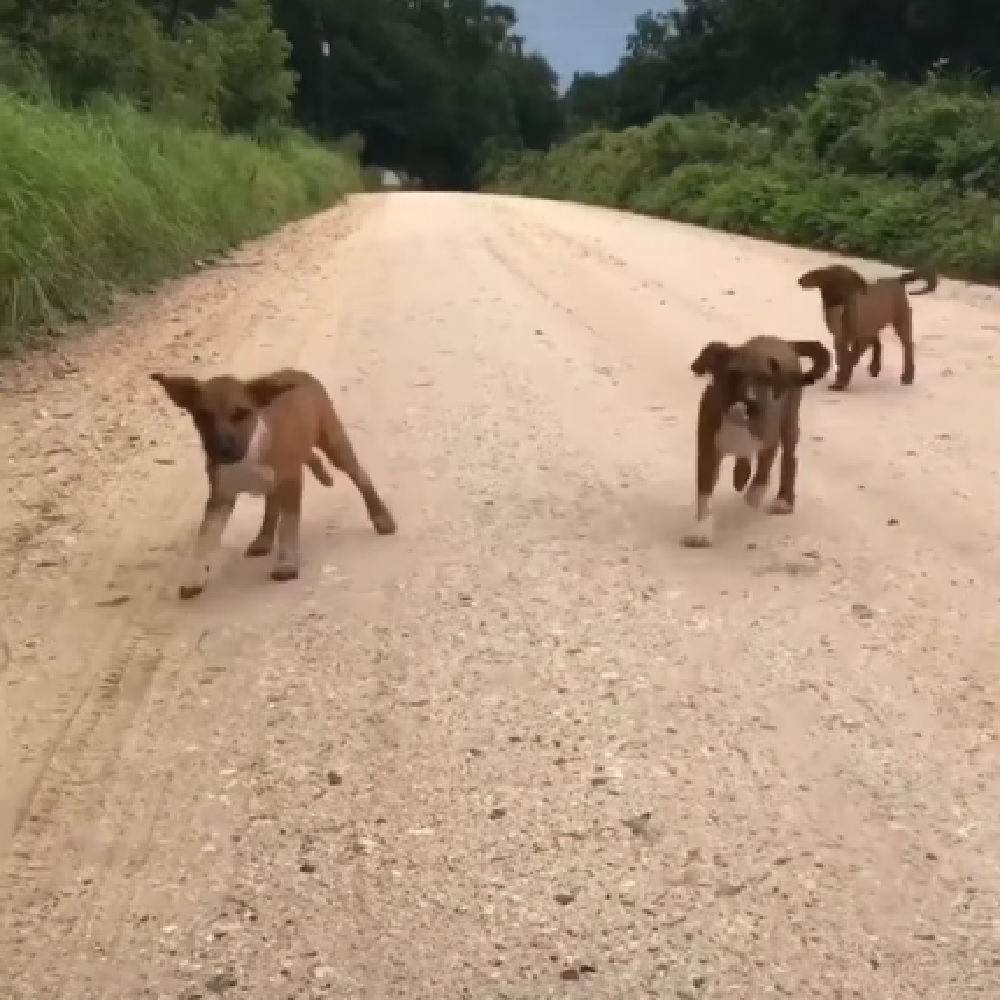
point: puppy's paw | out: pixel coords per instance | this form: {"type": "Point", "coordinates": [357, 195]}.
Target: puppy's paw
{"type": "Point", "coordinates": [837, 386]}
{"type": "Point", "coordinates": [755, 494]}
{"type": "Point", "coordinates": [779, 506]}
{"type": "Point", "coordinates": [195, 579]}
{"type": "Point", "coordinates": [906, 378]}
{"type": "Point", "coordinates": [259, 547]}
{"type": "Point", "coordinates": [700, 536]}
{"type": "Point", "coordinates": [874, 370]}
{"type": "Point", "coordinates": [384, 523]}
{"type": "Point", "coordinates": [284, 572]}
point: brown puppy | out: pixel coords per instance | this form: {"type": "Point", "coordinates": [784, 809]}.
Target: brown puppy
{"type": "Point", "coordinates": [257, 436]}
{"type": "Point", "coordinates": [750, 408]}
{"type": "Point", "coordinates": [856, 311]}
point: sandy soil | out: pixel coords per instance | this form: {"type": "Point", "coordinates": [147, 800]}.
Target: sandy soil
{"type": "Point", "coordinates": [530, 746]}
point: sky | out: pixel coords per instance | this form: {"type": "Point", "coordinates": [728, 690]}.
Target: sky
{"type": "Point", "coordinates": [580, 35]}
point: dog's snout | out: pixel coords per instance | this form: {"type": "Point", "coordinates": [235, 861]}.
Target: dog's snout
{"type": "Point", "coordinates": [224, 448]}
{"type": "Point", "coordinates": [230, 448]}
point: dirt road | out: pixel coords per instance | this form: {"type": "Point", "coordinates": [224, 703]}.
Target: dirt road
{"type": "Point", "coordinates": [529, 746]}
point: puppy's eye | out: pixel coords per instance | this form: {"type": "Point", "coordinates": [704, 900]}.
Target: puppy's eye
{"type": "Point", "coordinates": [241, 413]}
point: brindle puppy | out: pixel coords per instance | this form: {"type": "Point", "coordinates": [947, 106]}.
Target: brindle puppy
{"type": "Point", "coordinates": [751, 408]}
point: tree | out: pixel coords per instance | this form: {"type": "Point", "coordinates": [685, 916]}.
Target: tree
{"type": "Point", "coordinates": [746, 55]}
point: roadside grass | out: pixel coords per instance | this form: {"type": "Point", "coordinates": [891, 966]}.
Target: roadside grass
{"type": "Point", "coordinates": [109, 199]}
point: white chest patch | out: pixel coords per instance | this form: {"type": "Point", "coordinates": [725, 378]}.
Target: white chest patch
{"type": "Point", "coordinates": [249, 475]}
{"type": "Point", "coordinates": [735, 439]}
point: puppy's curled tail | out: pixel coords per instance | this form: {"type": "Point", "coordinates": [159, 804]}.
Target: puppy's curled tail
{"type": "Point", "coordinates": [927, 276]}
{"type": "Point", "coordinates": [820, 357]}
{"type": "Point", "coordinates": [319, 470]}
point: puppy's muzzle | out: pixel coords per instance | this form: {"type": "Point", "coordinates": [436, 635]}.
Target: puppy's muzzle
{"type": "Point", "coordinates": [755, 401]}
{"type": "Point", "coordinates": [224, 449]}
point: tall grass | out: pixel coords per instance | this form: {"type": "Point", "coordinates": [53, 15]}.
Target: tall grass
{"type": "Point", "coordinates": [908, 175]}
{"type": "Point", "coordinates": [110, 198]}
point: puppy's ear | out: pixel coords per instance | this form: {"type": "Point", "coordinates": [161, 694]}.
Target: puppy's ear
{"type": "Point", "coordinates": [713, 357]}
{"type": "Point", "coordinates": [836, 283]}
{"type": "Point", "coordinates": [183, 390]}
{"type": "Point", "coordinates": [265, 389]}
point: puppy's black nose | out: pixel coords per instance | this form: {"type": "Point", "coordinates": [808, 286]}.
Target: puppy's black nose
{"type": "Point", "coordinates": [227, 449]}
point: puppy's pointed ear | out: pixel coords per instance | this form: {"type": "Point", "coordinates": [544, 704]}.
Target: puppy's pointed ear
{"type": "Point", "coordinates": [813, 278]}
{"type": "Point", "coordinates": [836, 282]}
{"type": "Point", "coordinates": [264, 389]}
{"type": "Point", "coordinates": [183, 390]}
{"type": "Point", "coordinates": [714, 356]}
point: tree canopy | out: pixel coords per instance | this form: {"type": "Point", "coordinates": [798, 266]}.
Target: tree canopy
{"type": "Point", "coordinates": [745, 55]}
{"type": "Point", "coordinates": [431, 85]}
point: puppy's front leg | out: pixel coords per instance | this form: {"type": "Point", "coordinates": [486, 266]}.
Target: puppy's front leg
{"type": "Point", "coordinates": [218, 511]}
{"type": "Point", "coordinates": [264, 542]}
{"type": "Point", "coordinates": [709, 462]}
{"type": "Point", "coordinates": [847, 357]}
{"type": "Point", "coordinates": [784, 502]}
{"type": "Point", "coordinates": [288, 496]}
{"type": "Point", "coordinates": [875, 368]}
{"type": "Point", "coordinates": [761, 477]}
{"type": "Point", "coordinates": [904, 330]}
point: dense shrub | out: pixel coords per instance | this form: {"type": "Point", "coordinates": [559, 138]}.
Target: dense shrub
{"type": "Point", "coordinates": [909, 175]}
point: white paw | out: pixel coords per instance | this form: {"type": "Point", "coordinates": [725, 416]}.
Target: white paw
{"type": "Point", "coordinates": [779, 506]}
{"type": "Point", "coordinates": [700, 536]}
{"type": "Point", "coordinates": [754, 495]}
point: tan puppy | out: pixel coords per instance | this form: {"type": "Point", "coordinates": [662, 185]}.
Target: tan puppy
{"type": "Point", "coordinates": [751, 408]}
{"type": "Point", "coordinates": [257, 436]}
{"type": "Point", "coordinates": [856, 311]}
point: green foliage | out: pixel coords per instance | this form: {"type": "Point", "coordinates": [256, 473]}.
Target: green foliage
{"type": "Point", "coordinates": [229, 69]}
{"type": "Point", "coordinates": [432, 84]}
{"type": "Point", "coordinates": [747, 56]}
{"type": "Point", "coordinates": [255, 83]}
{"type": "Point", "coordinates": [113, 117]}
{"type": "Point", "coordinates": [109, 198]}
{"type": "Point", "coordinates": [907, 174]}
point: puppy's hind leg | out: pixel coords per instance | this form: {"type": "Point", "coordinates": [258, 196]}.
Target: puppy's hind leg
{"type": "Point", "coordinates": [335, 444]}
{"type": "Point", "coordinates": [264, 542]}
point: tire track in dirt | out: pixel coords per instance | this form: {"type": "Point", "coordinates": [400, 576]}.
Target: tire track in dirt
{"type": "Point", "coordinates": [81, 710]}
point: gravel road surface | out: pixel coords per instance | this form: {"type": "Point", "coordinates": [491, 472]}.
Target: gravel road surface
{"type": "Point", "coordinates": [529, 746]}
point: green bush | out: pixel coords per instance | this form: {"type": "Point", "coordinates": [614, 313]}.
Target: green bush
{"type": "Point", "coordinates": [910, 175]}
{"type": "Point", "coordinates": [108, 198]}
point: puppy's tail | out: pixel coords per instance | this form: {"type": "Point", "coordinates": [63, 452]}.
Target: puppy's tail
{"type": "Point", "coordinates": [319, 470]}
{"type": "Point", "coordinates": [818, 354]}
{"type": "Point", "coordinates": [927, 276]}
